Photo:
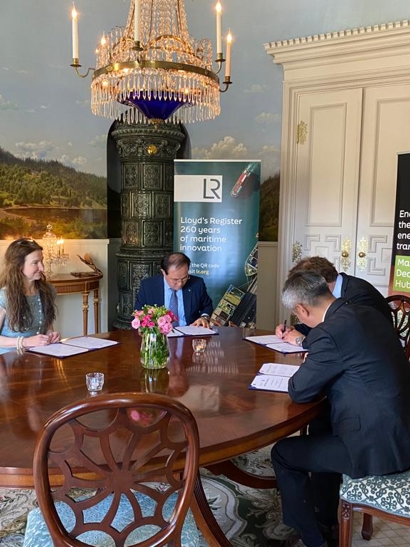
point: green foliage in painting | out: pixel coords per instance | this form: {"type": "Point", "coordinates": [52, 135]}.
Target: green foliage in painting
{"type": "Point", "coordinates": [31, 191]}
{"type": "Point", "coordinates": [269, 209]}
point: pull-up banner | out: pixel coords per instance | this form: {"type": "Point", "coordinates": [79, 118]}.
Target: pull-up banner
{"type": "Point", "coordinates": [400, 265]}
{"type": "Point", "coordinates": [216, 223]}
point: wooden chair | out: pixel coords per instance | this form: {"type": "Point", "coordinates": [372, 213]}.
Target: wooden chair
{"type": "Point", "coordinates": [386, 497]}
{"type": "Point", "coordinates": [104, 447]}
{"type": "Point", "coordinates": [400, 309]}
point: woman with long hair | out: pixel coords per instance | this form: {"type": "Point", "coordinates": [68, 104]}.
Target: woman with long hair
{"type": "Point", "coordinates": [27, 301]}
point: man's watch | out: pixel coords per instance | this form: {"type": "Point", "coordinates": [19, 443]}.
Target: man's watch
{"type": "Point", "coordinates": [299, 340]}
{"type": "Point", "coordinates": [206, 316]}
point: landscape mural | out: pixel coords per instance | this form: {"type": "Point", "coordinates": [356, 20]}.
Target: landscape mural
{"type": "Point", "coordinates": [53, 164]}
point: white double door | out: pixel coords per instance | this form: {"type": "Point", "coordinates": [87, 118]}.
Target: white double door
{"type": "Point", "coordinates": [344, 174]}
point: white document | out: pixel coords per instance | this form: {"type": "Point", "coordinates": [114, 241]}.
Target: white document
{"type": "Point", "coordinates": [285, 347]}
{"type": "Point", "coordinates": [174, 334]}
{"type": "Point", "coordinates": [89, 342]}
{"type": "Point", "coordinates": [73, 346]}
{"type": "Point", "coordinates": [265, 339]}
{"type": "Point", "coordinates": [274, 377]}
{"type": "Point", "coordinates": [271, 341]}
{"type": "Point", "coordinates": [270, 383]}
{"type": "Point", "coordinates": [58, 350]}
{"type": "Point", "coordinates": [278, 369]}
{"type": "Point", "coordinates": [195, 331]}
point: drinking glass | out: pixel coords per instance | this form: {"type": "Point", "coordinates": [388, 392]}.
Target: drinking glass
{"type": "Point", "coordinates": [199, 345]}
{"type": "Point", "coordinates": [94, 381]}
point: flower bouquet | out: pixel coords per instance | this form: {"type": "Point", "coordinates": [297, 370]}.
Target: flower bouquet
{"type": "Point", "coordinates": [154, 323]}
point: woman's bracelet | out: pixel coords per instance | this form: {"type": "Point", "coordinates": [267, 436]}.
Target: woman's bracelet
{"type": "Point", "coordinates": [19, 343]}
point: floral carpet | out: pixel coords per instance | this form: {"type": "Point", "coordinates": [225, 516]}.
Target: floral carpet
{"type": "Point", "coordinates": [247, 516]}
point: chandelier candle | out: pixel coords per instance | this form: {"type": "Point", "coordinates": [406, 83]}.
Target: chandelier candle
{"type": "Point", "coordinates": [74, 27]}
{"type": "Point", "coordinates": [218, 28]}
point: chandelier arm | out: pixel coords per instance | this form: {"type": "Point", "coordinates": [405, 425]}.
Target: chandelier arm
{"type": "Point", "coordinates": [227, 82]}
{"type": "Point", "coordinates": [76, 65]}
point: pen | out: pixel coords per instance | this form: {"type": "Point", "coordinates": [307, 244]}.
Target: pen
{"type": "Point", "coordinates": [284, 326]}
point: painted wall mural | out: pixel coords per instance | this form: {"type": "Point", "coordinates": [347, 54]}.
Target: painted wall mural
{"type": "Point", "coordinates": [53, 150]}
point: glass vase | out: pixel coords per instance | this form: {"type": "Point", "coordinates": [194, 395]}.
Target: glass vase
{"type": "Point", "coordinates": [154, 350]}
{"type": "Point", "coordinates": [154, 380]}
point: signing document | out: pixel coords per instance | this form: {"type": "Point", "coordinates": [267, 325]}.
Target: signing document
{"type": "Point", "coordinates": [73, 346]}
{"type": "Point", "coordinates": [272, 341]}
{"type": "Point", "coordinates": [274, 377]}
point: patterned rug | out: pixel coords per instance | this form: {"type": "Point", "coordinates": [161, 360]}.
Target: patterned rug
{"type": "Point", "coordinates": [247, 516]}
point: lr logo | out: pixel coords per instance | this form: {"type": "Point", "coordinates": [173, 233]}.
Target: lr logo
{"type": "Point", "coordinates": [213, 188]}
{"type": "Point", "coordinates": [198, 188]}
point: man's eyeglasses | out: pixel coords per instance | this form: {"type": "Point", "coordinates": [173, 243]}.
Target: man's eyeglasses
{"type": "Point", "coordinates": [182, 280]}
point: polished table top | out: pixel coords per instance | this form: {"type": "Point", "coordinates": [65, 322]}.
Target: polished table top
{"type": "Point", "coordinates": [232, 419]}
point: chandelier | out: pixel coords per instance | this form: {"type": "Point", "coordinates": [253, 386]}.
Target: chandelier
{"type": "Point", "coordinates": [153, 70]}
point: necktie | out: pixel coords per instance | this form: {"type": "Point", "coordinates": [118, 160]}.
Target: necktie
{"type": "Point", "coordinates": [173, 305]}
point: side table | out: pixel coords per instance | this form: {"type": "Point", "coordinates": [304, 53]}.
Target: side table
{"type": "Point", "coordinates": [70, 284]}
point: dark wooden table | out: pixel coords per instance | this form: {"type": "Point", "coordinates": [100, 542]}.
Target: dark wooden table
{"type": "Point", "coordinates": [232, 419]}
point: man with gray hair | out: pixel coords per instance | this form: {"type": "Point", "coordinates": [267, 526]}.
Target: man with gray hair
{"type": "Point", "coordinates": [355, 359]}
{"type": "Point", "coordinates": [341, 285]}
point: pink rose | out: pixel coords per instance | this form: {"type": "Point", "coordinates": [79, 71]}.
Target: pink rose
{"type": "Point", "coordinates": [136, 323]}
{"type": "Point", "coordinates": [162, 320]}
{"type": "Point", "coordinates": [165, 328]}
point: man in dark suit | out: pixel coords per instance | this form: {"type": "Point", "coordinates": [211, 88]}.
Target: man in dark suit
{"type": "Point", "coordinates": [353, 289]}
{"type": "Point", "coordinates": [194, 306]}
{"type": "Point", "coordinates": [356, 360]}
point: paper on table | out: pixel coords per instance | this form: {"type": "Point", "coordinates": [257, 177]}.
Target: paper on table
{"type": "Point", "coordinates": [278, 369]}
{"type": "Point", "coordinates": [270, 383]}
{"type": "Point", "coordinates": [58, 350]}
{"type": "Point", "coordinates": [271, 341]}
{"type": "Point", "coordinates": [195, 331]}
{"type": "Point", "coordinates": [89, 342]}
{"type": "Point", "coordinates": [285, 347]}
{"type": "Point", "coordinates": [174, 333]}
{"type": "Point", "coordinates": [274, 377]}
{"type": "Point", "coordinates": [265, 339]}
{"type": "Point", "coordinates": [73, 346]}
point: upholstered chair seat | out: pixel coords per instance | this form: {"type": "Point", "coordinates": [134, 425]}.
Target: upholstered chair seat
{"type": "Point", "coordinates": [387, 497]}
{"type": "Point", "coordinates": [37, 534]}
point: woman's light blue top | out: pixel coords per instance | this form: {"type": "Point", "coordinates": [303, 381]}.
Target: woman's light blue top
{"type": "Point", "coordinates": [38, 325]}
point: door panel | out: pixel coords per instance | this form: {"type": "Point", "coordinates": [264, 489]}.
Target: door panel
{"type": "Point", "coordinates": [327, 173]}
{"type": "Point", "coordinates": [386, 132]}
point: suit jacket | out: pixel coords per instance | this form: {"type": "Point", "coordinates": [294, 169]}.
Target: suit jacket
{"type": "Point", "coordinates": [358, 291]}
{"type": "Point", "coordinates": [196, 300]}
{"type": "Point", "coordinates": [356, 359]}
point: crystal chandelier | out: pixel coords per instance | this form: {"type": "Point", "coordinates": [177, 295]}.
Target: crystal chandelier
{"type": "Point", "coordinates": [153, 70]}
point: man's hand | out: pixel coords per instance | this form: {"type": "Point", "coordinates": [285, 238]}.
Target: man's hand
{"type": "Point", "coordinates": [291, 336]}
{"type": "Point", "coordinates": [281, 332]}
{"type": "Point", "coordinates": [202, 322]}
